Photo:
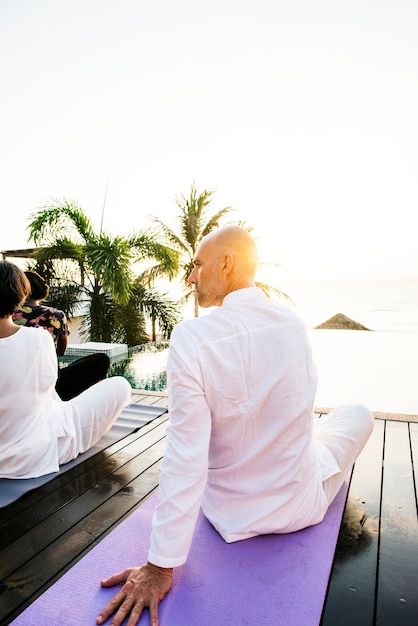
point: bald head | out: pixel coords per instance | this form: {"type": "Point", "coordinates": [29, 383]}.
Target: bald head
{"type": "Point", "coordinates": [226, 260]}
{"type": "Point", "coordinates": [237, 241]}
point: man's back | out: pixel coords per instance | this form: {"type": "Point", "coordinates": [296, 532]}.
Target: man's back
{"type": "Point", "coordinates": [248, 368]}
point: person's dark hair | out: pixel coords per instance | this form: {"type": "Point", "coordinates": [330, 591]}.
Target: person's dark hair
{"type": "Point", "coordinates": [38, 287]}
{"type": "Point", "coordinates": [14, 288]}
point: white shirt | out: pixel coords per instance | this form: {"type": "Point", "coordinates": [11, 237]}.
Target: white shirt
{"type": "Point", "coordinates": [241, 390]}
{"type": "Point", "coordinates": [32, 416]}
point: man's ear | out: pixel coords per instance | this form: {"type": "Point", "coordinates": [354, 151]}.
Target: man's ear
{"type": "Point", "coordinates": [227, 263]}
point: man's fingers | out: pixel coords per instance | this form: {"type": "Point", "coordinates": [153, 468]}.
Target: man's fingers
{"type": "Point", "coordinates": [115, 579]}
{"type": "Point", "coordinates": [119, 600]}
{"type": "Point", "coordinates": [110, 608]}
{"type": "Point", "coordinates": [136, 613]}
{"type": "Point", "coordinates": [121, 605]}
{"type": "Point", "coordinates": [131, 608]}
{"type": "Point", "coordinates": [153, 612]}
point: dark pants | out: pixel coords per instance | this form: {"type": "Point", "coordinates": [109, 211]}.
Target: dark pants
{"type": "Point", "coordinates": [81, 374]}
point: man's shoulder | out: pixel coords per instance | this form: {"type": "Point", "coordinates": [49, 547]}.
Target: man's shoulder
{"type": "Point", "coordinates": [195, 326]}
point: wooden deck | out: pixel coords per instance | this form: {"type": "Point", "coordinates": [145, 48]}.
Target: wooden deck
{"type": "Point", "coordinates": [374, 579]}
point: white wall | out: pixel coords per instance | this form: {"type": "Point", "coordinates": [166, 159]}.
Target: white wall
{"type": "Point", "coordinates": [74, 326]}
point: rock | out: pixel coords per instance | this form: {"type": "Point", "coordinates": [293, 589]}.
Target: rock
{"type": "Point", "coordinates": [342, 322]}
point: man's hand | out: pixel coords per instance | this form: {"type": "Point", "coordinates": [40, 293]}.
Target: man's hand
{"type": "Point", "coordinates": [143, 586]}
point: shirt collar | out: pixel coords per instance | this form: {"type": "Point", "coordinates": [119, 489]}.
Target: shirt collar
{"type": "Point", "coordinates": [242, 295]}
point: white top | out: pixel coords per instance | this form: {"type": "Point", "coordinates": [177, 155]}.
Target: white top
{"type": "Point", "coordinates": [32, 416]}
{"type": "Point", "coordinates": [241, 390]}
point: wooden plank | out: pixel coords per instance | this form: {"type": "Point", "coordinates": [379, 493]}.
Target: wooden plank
{"type": "Point", "coordinates": [351, 591]}
{"type": "Point", "coordinates": [37, 537]}
{"type": "Point", "coordinates": [397, 593]}
{"type": "Point", "coordinates": [149, 397]}
{"type": "Point", "coordinates": [71, 484]}
{"type": "Point", "coordinates": [379, 415]}
{"type": "Point", "coordinates": [28, 499]}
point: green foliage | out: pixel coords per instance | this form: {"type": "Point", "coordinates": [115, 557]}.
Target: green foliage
{"type": "Point", "coordinates": [195, 220]}
{"type": "Point", "coordinates": [159, 308]}
{"type": "Point", "coordinates": [94, 271]}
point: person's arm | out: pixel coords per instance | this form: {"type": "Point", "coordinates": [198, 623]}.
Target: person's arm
{"type": "Point", "coordinates": [62, 343]}
{"type": "Point", "coordinates": [64, 331]}
{"type": "Point", "coordinates": [183, 477]}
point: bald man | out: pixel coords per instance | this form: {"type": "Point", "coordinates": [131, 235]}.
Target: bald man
{"type": "Point", "coordinates": [241, 441]}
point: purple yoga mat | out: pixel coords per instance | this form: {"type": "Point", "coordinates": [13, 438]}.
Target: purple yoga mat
{"type": "Point", "coordinates": [271, 580]}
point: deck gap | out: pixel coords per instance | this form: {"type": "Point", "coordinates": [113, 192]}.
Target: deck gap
{"type": "Point", "coordinates": [414, 477]}
{"type": "Point", "coordinates": [376, 587]}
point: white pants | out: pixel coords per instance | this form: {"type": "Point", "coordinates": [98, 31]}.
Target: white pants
{"type": "Point", "coordinates": [94, 412]}
{"type": "Point", "coordinates": [344, 431]}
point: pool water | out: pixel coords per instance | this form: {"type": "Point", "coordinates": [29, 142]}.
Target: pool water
{"type": "Point", "coordinates": [145, 367]}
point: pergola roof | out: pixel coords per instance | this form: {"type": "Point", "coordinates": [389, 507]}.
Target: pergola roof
{"type": "Point", "coordinates": [24, 253]}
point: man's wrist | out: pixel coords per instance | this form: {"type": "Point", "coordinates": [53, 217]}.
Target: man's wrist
{"type": "Point", "coordinates": [163, 571]}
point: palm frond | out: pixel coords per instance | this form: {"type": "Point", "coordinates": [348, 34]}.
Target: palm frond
{"type": "Point", "coordinates": [146, 245]}
{"type": "Point", "coordinates": [159, 307]}
{"type": "Point", "coordinates": [110, 260]}
{"type": "Point", "coordinates": [215, 220]}
{"type": "Point", "coordinates": [169, 235]}
{"type": "Point", "coordinates": [273, 293]}
{"type": "Point", "coordinates": [59, 216]}
{"type": "Point", "coordinates": [61, 249]}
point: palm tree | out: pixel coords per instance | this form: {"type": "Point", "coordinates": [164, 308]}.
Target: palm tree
{"type": "Point", "coordinates": [195, 219]}
{"type": "Point", "coordinates": [83, 266]}
{"type": "Point", "coordinates": [156, 306]}
{"type": "Point", "coordinates": [195, 222]}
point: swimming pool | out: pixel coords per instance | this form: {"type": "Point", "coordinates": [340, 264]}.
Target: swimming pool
{"type": "Point", "coordinates": [145, 367]}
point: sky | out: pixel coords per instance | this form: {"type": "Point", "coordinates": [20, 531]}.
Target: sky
{"type": "Point", "coordinates": [300, 114]}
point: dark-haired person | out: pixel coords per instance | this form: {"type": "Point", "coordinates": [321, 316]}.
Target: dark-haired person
{"type": "Point", "coordinates": [33, 313]}
{"type": "Point", "coordinates": [78, 375]}
{"type": "Point", "coordinates": [39, 431]}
